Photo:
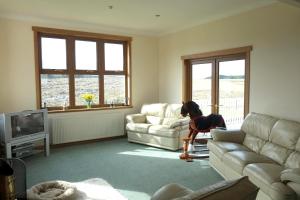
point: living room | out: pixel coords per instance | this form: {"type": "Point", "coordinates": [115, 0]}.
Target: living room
{"type": "Point", "coordinates": [270, 27]}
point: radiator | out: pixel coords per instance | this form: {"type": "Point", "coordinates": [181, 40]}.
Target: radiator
{"type": "Point", "coordinates": [85, 126]}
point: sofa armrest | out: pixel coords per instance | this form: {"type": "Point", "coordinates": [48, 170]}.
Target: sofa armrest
{"type": "Point", "coordinates": [290, 175]}
{"type": "Point", "coordinates": [171, 191]}
{"type": "Point", "coordinates": [236, 136]}
{"type": "Point", "coordinates": [178, 122]}
{"type": "Point", "coordinates": [136, 118]}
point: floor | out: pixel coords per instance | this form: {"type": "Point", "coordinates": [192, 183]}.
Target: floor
{"type": "Point", "coordinates": [137, 171]}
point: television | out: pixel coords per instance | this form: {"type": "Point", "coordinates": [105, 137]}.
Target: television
{"type": "Point", "coordinates": [23, 127]}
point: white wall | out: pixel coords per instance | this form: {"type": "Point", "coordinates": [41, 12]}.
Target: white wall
{"type": "Point", "coordinates": [274, 32]}
{"type": "Point", "coordinates": [17, 69]}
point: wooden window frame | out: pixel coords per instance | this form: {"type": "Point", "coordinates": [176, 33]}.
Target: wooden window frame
{"type": "Point", "coordinates": [71, 71]}
{"type": "Point", "coordinates": [222, 55]}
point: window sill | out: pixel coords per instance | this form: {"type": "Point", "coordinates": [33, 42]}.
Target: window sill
{"type": "Point", "coordinates": [89, 109]}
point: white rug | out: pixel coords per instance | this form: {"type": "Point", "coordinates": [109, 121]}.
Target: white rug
{"type": "Point", "coordinates": [91, 189]}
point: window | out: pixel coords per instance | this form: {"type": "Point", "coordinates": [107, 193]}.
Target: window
{"type": "Point", "coordinates": [71, 63]}
{"type": "Point", "coordinates": [219, 83]}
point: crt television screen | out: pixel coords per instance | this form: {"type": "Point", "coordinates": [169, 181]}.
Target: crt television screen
{"type": "Point", "coordinates": [26, 124]}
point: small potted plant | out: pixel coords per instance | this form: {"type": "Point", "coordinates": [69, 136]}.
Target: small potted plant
{"type": "Point", "coordinates": [88, 99]}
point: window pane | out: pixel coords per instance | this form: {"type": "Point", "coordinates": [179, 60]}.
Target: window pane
{"type": "Point", "coordinates": [201, 86]}
{"type": "Point", "coordinates": [86, 55]}
{"type": "Point", "coordinates": [114, 89]}
{"type": "Point", "coordinates": [53, 53]}
{"type": "Point", "coordinates": [55, 89]}
{"type": "Point", "coordinates": [114, 59]}
{"type": "Point", "coordinates": [86, 84]}
{"type": "Point", "coordinates": [231, 92]}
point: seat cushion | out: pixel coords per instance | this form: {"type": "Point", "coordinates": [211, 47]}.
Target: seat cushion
{"type": "Point", "coordinates": [267, 177]}
{"type": "Point", "coordinates": [162, 130]}
{"type": "Point", "coordinates": [220, 148]}
{"type": "Point", "coordinates": [138, 127]}
{"type": "Point", "coordinates": [237, 160]}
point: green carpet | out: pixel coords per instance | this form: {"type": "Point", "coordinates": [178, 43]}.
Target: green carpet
{"type": "Point", "coordinates": [137, 171]}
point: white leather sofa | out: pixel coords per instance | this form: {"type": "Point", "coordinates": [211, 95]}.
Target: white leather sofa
{"type": "Point", "coordinates": [266, 149]}
{"type": "Point", "coordinates": [159, 125]}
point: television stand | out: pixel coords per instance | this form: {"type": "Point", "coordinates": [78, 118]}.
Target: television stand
{"type": "Point", "coordinates": [28, 139]}
{"type": "Point", "coordinates": [19, 130]}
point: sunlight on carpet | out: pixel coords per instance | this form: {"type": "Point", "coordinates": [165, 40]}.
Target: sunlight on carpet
{"type": "Point", "coordinates": [152, 152]}
{"type": "Point", "coordinates": [134, 194]}
{"type": "Point", "coordinates": [135, 170]}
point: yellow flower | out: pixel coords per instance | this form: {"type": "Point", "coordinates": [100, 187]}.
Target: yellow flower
{"type": "Point", "coordinates": [88, 97]}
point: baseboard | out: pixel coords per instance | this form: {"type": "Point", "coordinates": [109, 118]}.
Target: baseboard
{"type": "Point", "coordinates": [87, 141]}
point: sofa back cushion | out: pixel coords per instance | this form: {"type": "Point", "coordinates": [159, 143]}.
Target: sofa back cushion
{"type": "Point", "coordinates": [154, 112]}
{"type": "Point", "coordinates": [153, 120]}
{"type": "Point", "coordinates": [275, 152]}
{"type": "Point", "coordinates": [285, 133]}
{"type": "Point", "coordinates": [257, 128]}
{"type": "Point", "coordinates": [155, 109]}
{"type": "Point", "coordinates": [293, 161]}
{"type": "Point", "coordinates": [172, 114]}
{"type": "Point", "coordinates": [173, 111]}
{"type": "Point", "coordinates": [282, 140]}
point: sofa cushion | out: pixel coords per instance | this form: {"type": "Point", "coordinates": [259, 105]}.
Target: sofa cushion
{"type": "Point", "coordinates": [257, 128]}
{"type": "Point", "coordinates": [290, 175]}
{"type": "Point", "coordinates": [174, 122]}
{"type": "Point", "coordinates": [297, 148]}
{"type": "Point", "coordinates": [293, 161]}
{"type": "Point", "coordinates": [220, 148]}
{"type": "Point", "coordinates": [139, 127]}
{"type": "Point", "coordinates": [265, 173]}
{"type": "Point", "coordinates": [173, 111]}
{"type": "Point", "coordinates": [162, 130]}
{"type": "Point", "coordinates": [237, 160]}
{"type": "Point", "coordinates": [275, 152]}
{"type": "Point", "coordinates": [259, 125]}
{"type": "Point", "coordinates": [156, 109]}
{"type": "Point", "coordinates": [254, 143]}
{"type": "Point", "coordinates": [285, 133]}
{"type": "Point", "coordinates": [241, 189]}
{"type": "Point", "coordinates": [171, 191]}
{"type": "Point", "coordinates": [153, 120]}
{"type": "Point", "coordinates": [267, 177]}
{"type": "Point", "coordinates": [136, 118]}
{"type": "Point", "coordinates": [295, 187]}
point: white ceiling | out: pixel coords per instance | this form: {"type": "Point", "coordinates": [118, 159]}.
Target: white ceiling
{"type": "Point", "coordinates": [136, 16]}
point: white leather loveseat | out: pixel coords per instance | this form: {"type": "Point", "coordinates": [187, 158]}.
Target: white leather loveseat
{"type": "Point", "coordinates": [159, 125]}
{"type": "Point", "coordinates": [266, 149]}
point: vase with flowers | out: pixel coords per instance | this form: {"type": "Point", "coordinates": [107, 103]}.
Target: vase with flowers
{"type": "Point", "coordinates": [88, 98]}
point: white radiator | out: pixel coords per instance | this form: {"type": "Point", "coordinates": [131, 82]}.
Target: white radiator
{"type": "Point", "coordinates": [85, 126]}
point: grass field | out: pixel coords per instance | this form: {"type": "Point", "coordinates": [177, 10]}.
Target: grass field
{"type": "Point", "coordinates": [55, 89]}
{"type": "Point", "coordinates": [231, 99]}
